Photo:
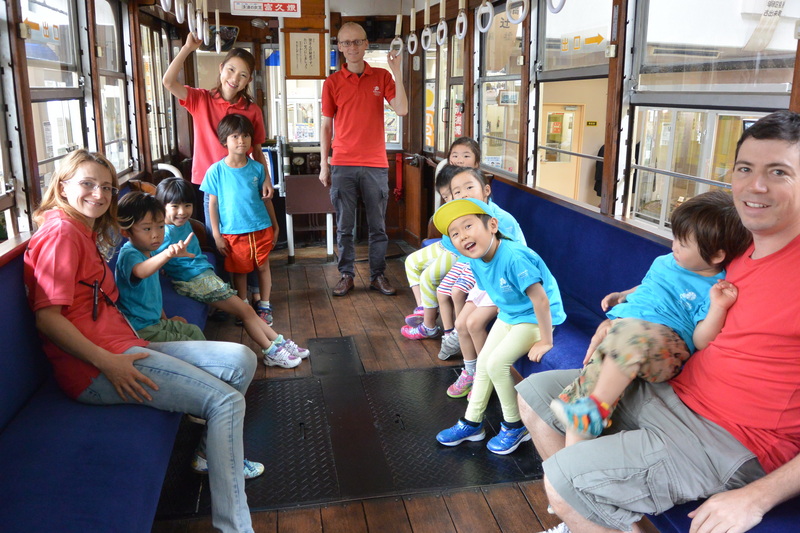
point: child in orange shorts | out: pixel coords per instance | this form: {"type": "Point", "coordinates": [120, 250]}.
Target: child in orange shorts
{"type": "Point", "coordinates": [240, 222]}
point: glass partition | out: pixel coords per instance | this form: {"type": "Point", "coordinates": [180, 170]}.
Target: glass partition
{"type": "Point", "coordinates": [577, 36]}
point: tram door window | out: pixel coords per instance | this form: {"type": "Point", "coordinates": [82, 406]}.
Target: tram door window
{"type": "Point", "coordinates": [442, 109]}
{"type": "Point", "coordinates": [393, 124]}
{"type": "Point", "coordinates": [112, 85]}
{"type": "Point", "coordinates": [455, 123]}
{"type": "Point", "coordinates": [500, 82]}
{"type": "Point", "coordinates": [680, 154]}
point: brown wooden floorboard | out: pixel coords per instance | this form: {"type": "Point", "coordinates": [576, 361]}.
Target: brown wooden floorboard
{"type": "Point", "coordinates": [304, 308]}
{"type": "Point", "coordinates": [470, 511]}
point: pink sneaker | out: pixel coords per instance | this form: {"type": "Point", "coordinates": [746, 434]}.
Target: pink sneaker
{"type": "Point", "coordinates": [415, 318]}
{"type": "Point", "coordinates": [417, 333]}
{"type": "Point", "coordinates": [462, 386]}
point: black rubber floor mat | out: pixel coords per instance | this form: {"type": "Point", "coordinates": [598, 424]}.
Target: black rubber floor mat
{"type": "Point", "coordinates": [344, 435]}
{"type": "Point", "coordinates": [410, 408]}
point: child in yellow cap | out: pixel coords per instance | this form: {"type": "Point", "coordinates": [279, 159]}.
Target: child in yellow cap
{"type": "Point", "coordinates": [529, 303]}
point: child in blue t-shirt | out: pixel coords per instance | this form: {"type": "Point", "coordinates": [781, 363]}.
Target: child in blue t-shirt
{"type": "Point", "coordinates": [141, 220]}
{"type": "Point", "coordinates": [529, 303]}
{"type": "Point", "coordinates": [653, 328]}
{"type": "Point", "coordinates": [194, 277]}
{"type": "Point", "coordinates": [240, 223]}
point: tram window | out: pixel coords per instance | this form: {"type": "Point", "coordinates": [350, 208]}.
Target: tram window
{"type": "Point", "coordinates": [577, 36]}
{"type": "Point", "coordinates": [750, 47]}
{"type": "Point", "coordinates": [61, 132]}
{"type": "Point", "coordinates": [500, 83]}
{"type": "Point", "coordinates": [430, 99]}
{"type": "Point", "coordinates": [571, 118]}
{"type": "Point", "coordinates": [159, 116]}
{"type": "Point", "coordinates": [112, 84]}
{"type": "Point", "coordinates": [679, 154]}
{"type": "Point", "coordinates": [51, 50]}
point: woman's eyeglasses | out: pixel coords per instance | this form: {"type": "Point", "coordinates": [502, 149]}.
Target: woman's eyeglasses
{"type": "Point", "coordinates": [90, 186]}
{"type": "Point", "coordinates": [354, 42]}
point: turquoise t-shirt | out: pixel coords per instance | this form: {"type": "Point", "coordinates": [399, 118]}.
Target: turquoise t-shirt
{"type": "Point", "coordinates": [184, 268]}
{"type": "Point", "coordinates": [669, 295]}
{"type": "Point", "coordinates": [238, 192]}
{"type": "Point", "coordinates": [513, 269]}
{"type": "Point", "coordinates": [139, 299]}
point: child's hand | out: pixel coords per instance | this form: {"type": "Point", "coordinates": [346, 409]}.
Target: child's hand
{"type": "Point", "coordinates": [538, 350]}
{"type": "Point", "coordinates": [611, 300]}
{"type": "Point", "coordinates": [268, 192]}
{"type": "Point", "coordinates": [723, 294]}
{"type": "Point", "coordinates": [178, 319]}
{"type": "Point", "coordinates": [597, 338]}
{"type": "Point", "coordinates": [179, 248]}
{"type": "Point", "coordinates": [192, 42]}
{"type": "Point", "coordinates": [222, 245]}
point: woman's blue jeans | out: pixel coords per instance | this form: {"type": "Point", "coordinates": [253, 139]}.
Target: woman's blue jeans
{"type": "Point", "coordinates": [206, 379]}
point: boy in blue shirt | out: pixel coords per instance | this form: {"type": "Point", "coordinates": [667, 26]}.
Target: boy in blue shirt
{"type": "Point", "coordinates": [529, 303]}
{"type": "Point", "coordinates": [141, 219]}
{"type": "Point", "coordinates": [653, 328]}
{"type": "Point", "coordinates": [240, 223]}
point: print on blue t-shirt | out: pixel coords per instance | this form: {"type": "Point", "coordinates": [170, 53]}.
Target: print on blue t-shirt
{"type": "Point", "coordinates": [669, 295]}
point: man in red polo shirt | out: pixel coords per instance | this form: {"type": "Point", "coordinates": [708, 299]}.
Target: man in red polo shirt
{"type": "Point", "coordinates": [727, 428]}
{"type": "Point", "coordinates": [353, 98]}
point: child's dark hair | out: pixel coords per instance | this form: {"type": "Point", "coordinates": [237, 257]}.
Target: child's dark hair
{"type": "Point", "coordinates": [446, 174]}
{"type": "Point", "coordinates": [470, 143]}
{"type": "Point", "coordinates": [175, 190]}
{"type": "Point", "coordinates": [712, 220]}
{"type": "Point", "coordinates": [233, 124]}
{"type": "Point", "coordinates": [250, 61]}
{"type": "Point", "coordinates": [485, 218]}
{"type": "Point", "coordinates": [136, 205]}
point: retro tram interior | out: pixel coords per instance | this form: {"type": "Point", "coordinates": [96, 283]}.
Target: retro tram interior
{"type": "Point", "coordinates": [595, 120]}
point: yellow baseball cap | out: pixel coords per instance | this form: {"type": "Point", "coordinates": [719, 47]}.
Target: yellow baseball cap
{"type": "Point", "coordinates": [447, 213]}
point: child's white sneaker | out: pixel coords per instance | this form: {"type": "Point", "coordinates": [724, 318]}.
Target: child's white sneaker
{"type": "Point", "coordinates": [279, 355]}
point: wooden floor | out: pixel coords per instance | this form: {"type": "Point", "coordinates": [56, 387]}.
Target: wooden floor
{"type": "Point", "coordinates": [304, 308]}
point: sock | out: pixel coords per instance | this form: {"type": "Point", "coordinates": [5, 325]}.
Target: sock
{"type": "Point", "coordinates": [429, 330]}
{"type": "Point", "coordinates": [470, 422]}
{"type": "Point", "coordinates": [264, 304]}
{"type": "Point", "coordinates": [245, 300]}
{"type": "Point", "coordinates": [513, 425]}
{"type": "Point", "coordinates": [274, 346]}
{"type": "Point", "coordinates": [603, 407]}
{"type": "Point", "coordinates": [447, 332]}
{"type": "Point", "coordinates": [470, 366]}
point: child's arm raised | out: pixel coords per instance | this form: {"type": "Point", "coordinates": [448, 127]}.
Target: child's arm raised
{"type": "Point", "coordinates": [616, 298]}
{"type": "Point", "coordinates": [722, 295]}
{"type": "Point", "coordinates": [150, 266]}
{"type": "Point", "coordinates": [170, 79]}
{"type": "Point", "coordinates": [541, 307]}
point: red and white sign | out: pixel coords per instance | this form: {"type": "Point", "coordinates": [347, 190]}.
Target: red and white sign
{"type": "Point", "coordinates": [256, 8]}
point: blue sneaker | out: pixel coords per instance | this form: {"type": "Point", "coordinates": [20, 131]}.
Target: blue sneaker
{"type": "Point", "coordinates": [508, 439]}
{"type": "Point", "coordinates": [580, 416]}
{"type": "Point", "coordinates": [459, 433]}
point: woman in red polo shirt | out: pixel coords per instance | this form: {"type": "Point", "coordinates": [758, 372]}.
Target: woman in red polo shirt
{"type": "Point", "coordinates": [96, 356]}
